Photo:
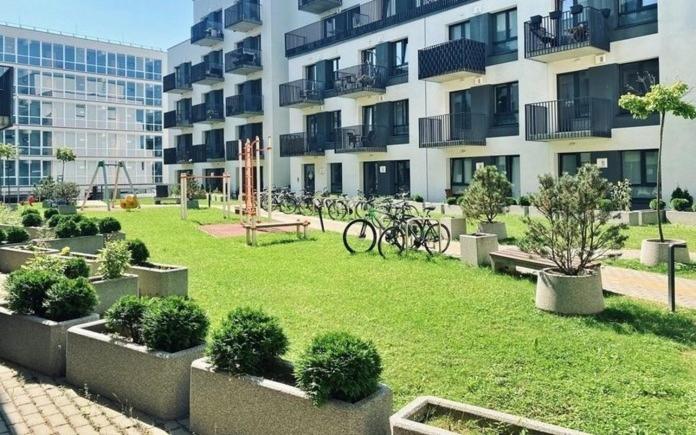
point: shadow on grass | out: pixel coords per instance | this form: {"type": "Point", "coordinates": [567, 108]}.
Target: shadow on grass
{"type": "Point", "coordinates": [631, 318]}
{"type": "Point", "coordinates": [287, 241]}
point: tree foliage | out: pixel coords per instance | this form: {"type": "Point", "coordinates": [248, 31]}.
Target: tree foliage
{"type": "Point", "coordinates": [486, 196]}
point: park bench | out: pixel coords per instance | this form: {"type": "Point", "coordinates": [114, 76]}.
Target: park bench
{"type": "Point", "coordinates": [168, 200]}
{"type": "Point", "coordinates": [507, 260]}
{"type": "Point", "coordinates": [266, 225]}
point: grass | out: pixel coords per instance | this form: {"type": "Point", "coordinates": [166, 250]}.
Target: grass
{"type": "Point", "coordinates": [448, 330]}
{"type": "Point", "coordinates": [687, 271]}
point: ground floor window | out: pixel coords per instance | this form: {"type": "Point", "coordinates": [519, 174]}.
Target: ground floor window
{"type": "Point", "coordinates": [213, 185]}
{"type": "Point", "coordinates": [309, 178]}
{"type": "Point", "coordinates": [386, 178]}
{"type": "Point", "coordinates": [462, 171]}
{"type": "Point", "coordinates": [336, 178]}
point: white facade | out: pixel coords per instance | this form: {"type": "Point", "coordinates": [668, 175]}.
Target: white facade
{"type": "Point", "coordinates": [102, 99]}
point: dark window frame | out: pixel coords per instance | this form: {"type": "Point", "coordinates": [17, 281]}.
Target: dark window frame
{"type": "Point", "coordinates": [400, 129]}
{"type": "Point", "coordinates": [399, 69]}
{"type": "Point", "coordinates": [500, 118]}
{"type": "Point", "coordinates": [639, 67]}
{"type": "Point", "coordinates": [627, 18]}
{"type": "Point", "coordinates": [337, 186]}
{"type": "Point", "coordinates": [462, 25]}
{"type": "Point", "coordinates": [497, 44]}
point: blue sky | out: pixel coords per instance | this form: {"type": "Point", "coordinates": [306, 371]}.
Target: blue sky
{"type": "Point", "coordinates": [155, 23]}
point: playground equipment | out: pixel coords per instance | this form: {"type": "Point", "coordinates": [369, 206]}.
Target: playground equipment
{"type": "Point", "coordinates": [108, 198]}
{"type": "Point", "coordinates": [184, 181]}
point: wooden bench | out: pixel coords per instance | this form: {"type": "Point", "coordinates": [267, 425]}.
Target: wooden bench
{"type": "Point", "coordinates": [507, 260]}
{"type": "Point", "coordinates": [167, 200]}
{"type": "Point", "coordinates": [263, 225]}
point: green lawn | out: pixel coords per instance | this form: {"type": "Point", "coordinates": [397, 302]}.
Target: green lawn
{"type": "Point", "coordinates": [448, 330]}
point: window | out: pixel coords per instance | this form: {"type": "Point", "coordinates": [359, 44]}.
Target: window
{"type": "Point", "coordinates": [462, 171]}
{"type": "Point", "coordinates": [369, 56]}
{"type": "Point", "coordinates": [368, 116]}
{"type": "Point", "coordinates": [400, 60]}
{"type": "Point", "coordinates": [336, 178]}
{"type": "Point", "coordinates": [334, 125]}
{"type": "Point", "coordinates": [400, 114]}
{"type": "Point", "coordinates": [632, 12]}
{"type": "Point", "coordinates": [637, 77]}
{"type": "Point", "coordinates": [80, 110]}
{"type": "Point", "coordinates": [311, 72]}
{"type": "Point", "coordinates": [505, 31]}
{"type": "Point", "coordinates": [460, 31]}
{"type": "Point", "coordinates": [506, 104]}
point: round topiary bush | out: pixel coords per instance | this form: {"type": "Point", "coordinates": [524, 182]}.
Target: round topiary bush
{"type": "Point", "coordinates": [17, 235]}
{"type": "Point", "coordinates": [606, 205]}
{"type": "Point", "coordinates": [70, 299]}
{"type": "Point", "coordinates": [510, 201]}
{"type": "Point", "coordinates": [452, 200]}
{"type": "Point", "coordinates": [139, 252]}
{"type": "Point", "coordinates": [525, 201]}
{"type": "Point", "coordinates": [28, 211]}
{"type": "Point", "coordinates": [174, 323]}
{"type": "Point", "coordinates": [76, 267]}
{"type": "Point", "coordinates": [67, 228]}
{"type": "Point", "coordinates": [248, 342]}
{"type": "Point", "coordinates": [32, 220]}
{"type": "Point", "coordinates": [653, 204]}
{"type": "Point", "coordinates": [3, 235]}
{"type": "Point", "coordinates": [680, 204]}
{"type": "Point", "coordinates": [50, 212]}
{"type": "Point", "coordinates": [54, 220]}
{"type": "Point", "coordinates": [27, 290]}
{"type": "Point", "coordinates": [109, 225]}
{"type": "Point", "coordinates": [339, 366]}
{"type": "Point", "coordinates": [125, 317]}
{"type": "Point", "coordinates": [88, 227]}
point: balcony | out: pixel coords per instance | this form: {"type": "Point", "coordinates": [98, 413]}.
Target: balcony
{"type": "Point", "coordinates": [6, 96]}
{"type": "Point", "coordinates": [301, 93]}
{"type": "Point", "coordinates": [198, 154]}
{"type": "Point", "coordinates": [569, 119]}
{"type": "Point", "coordinates": [244, 106]}
{"type": "Point", "coordinates": [232, 150]}
{"type": "Point", "coordinates": [298, 144]}
{"type": "Point", "coordinates": [243, 16]}
{"type": "Point", "coordinates": [584, 31]}
{"type": "Point", "coordinates": [169, 156]}
{"type": "Point", "coordinates": [184, 149]}
{"type": "Point", "coordinates": [452, 60]}
{"type": "Point", "coordinates": [177, 119]}
{"type": "Point", "coordinates": [362, 139]}
{"type": "Point", "coordinates": [208, 32]}
{"type": "Point", "coordinates": [208, 113]}
{"type": "Point", "coordinates": [177, 83]}
{"type": "Point", "coordinates": [318, 6]}
{"type": "Point", "coordinates": [243, 61]}
{"type": "Point", "coordinates": [207, 73]}
{"type": "Point", "coordinates": [360, 81]}
{"type": "Point", "coordinates": [454, 129]}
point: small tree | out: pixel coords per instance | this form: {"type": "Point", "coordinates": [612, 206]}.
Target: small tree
{"type": "Point", "coordinates": [486, 196]}
{"type": "Point", "coordinates": [661, 100]}
{"type": "Point", "coordinates": [65, 155]}
{"type": "Point", "coordinates": [576, 230]}
{"type": "Point", "coordinates": [7, 151]}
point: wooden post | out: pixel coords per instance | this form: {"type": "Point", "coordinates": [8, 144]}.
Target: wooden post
{"type": "Point", "coordinates": [257, 144]}
{"type": "Point", "coordinates": [183, 192]}
{"type": "Point", "coordinates": [240, 160]}
{"type": "Point", "coordinates": [269, 169]}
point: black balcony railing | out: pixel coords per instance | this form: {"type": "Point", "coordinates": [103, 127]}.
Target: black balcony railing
{"type": "Point", "coordinates": [244, 105]}
{"type": "Point", "coordinates": [300, 144]}
{"type": "Point", "coordinates": [362, 138]}
{"type": "Point", "coordinates": [360, 80]}
{"type": "Point", "coordinates": [566, 34]}
{"type": "Point", "coordinates": [184, 150]}
{"type": "Point", "coordinates": [243, 61]}
{"type": "Point", "coordinates": [244, 15]}
{"type": "Point", "coordinates": [232, 150]}
{"type": "Point", "coordinates": [207, 32]}
{"type": "Point", "coordinates": [356, 21]}
{"type": "Point", "coordinates": [198, 153]}
{"type": "Point", "coordinates": [318, 6]}
{"type": "Point", "coordinates": [301, 93]}
{"type": "Point", "coordinates": [215, 150]}
{"type": "Point", "coordinates": [6, 96]}
{"type": "Point", "coordinates": [175, 83]}
{"type": "Point", "coordinates": [169, 156]}
{"type": "Point", "coordinates": [208, 113]}
{"type": "Point", "coordinates": [569, 119]}
{"type": "Point", "coordinates": [177, 119]}
{"type": "Point", "coordinates": [454, 129]}
{"type": "Point", "coordinates": [207, 73]}
{"type": "Point", "coordinates": [452, 59]}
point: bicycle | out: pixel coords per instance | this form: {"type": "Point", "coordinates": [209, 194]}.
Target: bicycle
{"type": "Point", "coordinates": [415, 233]}
{"type": "Point", "coordinates": [360, 235]}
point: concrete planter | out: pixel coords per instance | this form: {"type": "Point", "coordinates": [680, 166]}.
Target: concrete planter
{"type": "Point", "coordinates": [519, 210]}
{"type": "Point", "coordinates": [34, 232]}
{"type": "Point", "coordinates": [161, 279]}
{"type": "Point", "coordinates": [83, 244]}
{"type": "Point", "coordinates": [630, 218]}
{"type": "Point", "coordinates": [12, 257]}
{"type": "Point", "coordinates": [456, 225]}
{"type": "Point", "coordinates": [654, 252]}
{"type": "Point", "coordinates": [649, 217]}
{"type": "Point", "coordinates": [111, 290]}
{"type": "Point", "coordinates": [497, 228]}
{"type": "Point", "coordinates": [154, 382]}
{"type": "Point", "coordinates": [35, 343]}
{"type": "Point", "coordinates": [475, 248]}
{"type": "Point", "coordinates": [412, 419]}
{"type": "Point", "coordinates": [564, 294]}
{"type": "Point", "coordinates": [681, 217]}
{"type": "Point", "coordinates": [192, 204]}
{"type": "Point", "coordinates": [253, 405]}
{"type": "Point", "coordinates": [452, 210]}
{"type": "Point", "coordinates": [111, 237]}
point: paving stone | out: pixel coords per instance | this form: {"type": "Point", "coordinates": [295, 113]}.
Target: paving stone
{"type": "Point", "coordinates": [56, 420]}
{"type": "Point", "coordinates": [34, 419]}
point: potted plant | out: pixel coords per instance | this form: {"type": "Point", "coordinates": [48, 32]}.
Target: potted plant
{"type": "Point", "coordinates": [244, 383]}
{"type": "Point", "coordinates": [76, 232]}
{"type": "Point", "coordinates": [140, 354]}
{"type": "Point", "coordinates": [660, 100]}
{"type": "Point", "coordinates": [45, 191]}
{"type": "Point", "coordinates": [41, 305]}
{"type": "Point", "coordinates": [682, 204]}
{"type": "Point", "coordinates": [574, 232]}
{"type": "Point", "coordinates": [65, 197]}
{"type": "Point", "coordinates": [155, 279]}
{"type": "Point", "coordinates": [486, 198]}
{"type": "Point", "coordinates": [112, 283]}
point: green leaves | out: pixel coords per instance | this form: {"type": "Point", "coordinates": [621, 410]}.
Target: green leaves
{"type": "Point", "coordinates": [487, 195]}
{"type": "Point", "coordinates": [660, 99]}
{"type": "Point", "coordinates": [65, 154]}
{"type": "Point", "coordinates": [114, 259]}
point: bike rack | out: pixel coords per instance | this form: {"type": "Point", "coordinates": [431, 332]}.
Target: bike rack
{"type": "Point", "coordinates": [424, 220]}
{"type": "Point", "coordinates": [671, 272]}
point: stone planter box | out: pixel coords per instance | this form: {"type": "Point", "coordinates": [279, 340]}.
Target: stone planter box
{"type": "Point", "coordinates": [630, 218]}
{"type": "Point", "coordinates": [681, 217]}
{"type": "Point", "coordinates": [161, 279]}
{"type": "Point", "coordinates": [192, 204]}
{"type": "Point", "coordinates": [654, 252]}
{"type": "Point", "coordinates": [83, 244]}
{"type": "Point", "coordinates": [519, 210]}
{"type": "Point", "coordinates": [253, 405]}
{"type": "Point", "coordinates": [452, 210]}
{"type": "Point", "coordinates": [497, 228]}
{"type": "Point", "coordinates": [111, 237]}
{"type": "Point", "coordinates": [34, 232]}
{"type": "Point", "coordinates": [35, 343]}
{"type": "Point", "coordinates": [154, 382]}
{"type": "Point", "coordinates": [12, 257]}
{"type": "Point", "coordinates": [649, 217]}
{"type": "Point", "coordinates": [456, 225]}
{"type": "Point", "coordinates": [412, 419]}
{"type": "Point", "coordinates": [564, 294]}
{"type": "Point", "coordinates": [475, 248]}
{"type": "Point", "coordinates": [111, 290]}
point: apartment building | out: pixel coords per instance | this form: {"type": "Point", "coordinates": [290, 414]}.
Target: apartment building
{"type": "Point", "coordinates": [102, 99]}
{"type": "Point", "coordinates": [387, 96]}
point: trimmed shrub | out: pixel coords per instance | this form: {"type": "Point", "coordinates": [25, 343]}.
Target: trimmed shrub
{"type": "Point", "coordinates": [525, 201]}
{"type": "Point", "coordinates": [653, 204]}
{"type": "Point", "coordinates": [510, 201]}
{"type": "Point", "coordinates": [680, 204]}
{"type": "Point", "coordinates": [484, 199]}
{"type": "Point", "coordinates": [248, 342]}
{"type": "Point", "coordinates": [452, 200]}
{"type": "Point", "coordinates": [174, 323]}
{"type": "Point", "coordinates": [54, 220]}
{"type": "Point", "coordinates": [88, 227]}
{"type": "Point", "coordinates": [47, 263]}
{"type": "Point", "coordinates": [17, 235]}
{"type": "Point", "coordinates": [3, 235]}
{"type": "Point", "coordinates": [339, 366]}
{"type": "Point", "coordinates": [50, 212]}
{"type": "Point", "coordinates": [70, 299]}
{"type": "Point", "coordinates": [678, 193]}
{"type": "Point", "coordinates": [418, 198]}
{"type": "Point", "coordinates": [28, 211]}
{"type": "Point", "coordinates": [109, 225]}
{"type": "Point", "coordinates": [139, 252]}
{"type": "Point", "coordinates": [606, 205]}
{"type": "Point", "coordinates": [76, 267]}
{"type": "Point", "coordinates": [125, 317]}
{"type": "Point", "coordinates": [32, 220]}
{"type": "Point", "coordinates": [27, 289]}
{"type": "Point", "coordinates": [114, 259]}
{"type": "Point", "coordinates": [67, 228]}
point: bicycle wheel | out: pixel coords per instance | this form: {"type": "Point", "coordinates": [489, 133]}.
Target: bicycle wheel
{"type": "Point", "coordinates": [361, 209]}
{"type": "Point", "coordinates": [359, 236]}
{"type": "Point", "coordinates": [307, 207]}
{"type": "Point", "coordinates": [391, 242]}
{"type": "Point", "coordinates": [288, 205]}
{"type": "Point", "coordinates": [432, 238]}
{"type": "Point", "coordinates": [337, 210]}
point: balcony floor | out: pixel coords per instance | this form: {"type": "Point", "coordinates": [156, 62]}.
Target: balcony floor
{"type": "Point", "coordinates": [556, 54]}
{"type": "Point", "coordinates": [362, 150]}
{"type": "Point", "coordinates": [210, 81]}
{"type": "Point", "coordinates": [246, 115]}
{"type": "Point", "coordinates": [361, 92]}
{"type": "Point", "coordinates": [568, 136]}
{"type": "Point", "coordinates": [210, 121]}
{"type": "Point", "coordinates": [208, 42]}
{"type": "Point", "coordinates": [304, 104]}
{"type": "Point", "coordinates": [179, 91]}
{"type": "Point", "coordinates": [453, 143]}
{"type": "Point", "coordinates": [244, 69]}
{"type": "Point", "coordinates": [454, 75]}
{"type": "Point", "coordinates": [244, 25]}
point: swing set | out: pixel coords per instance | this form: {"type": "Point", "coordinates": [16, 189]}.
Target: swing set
{"type": "Point", "coordinates": [131, 200]}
